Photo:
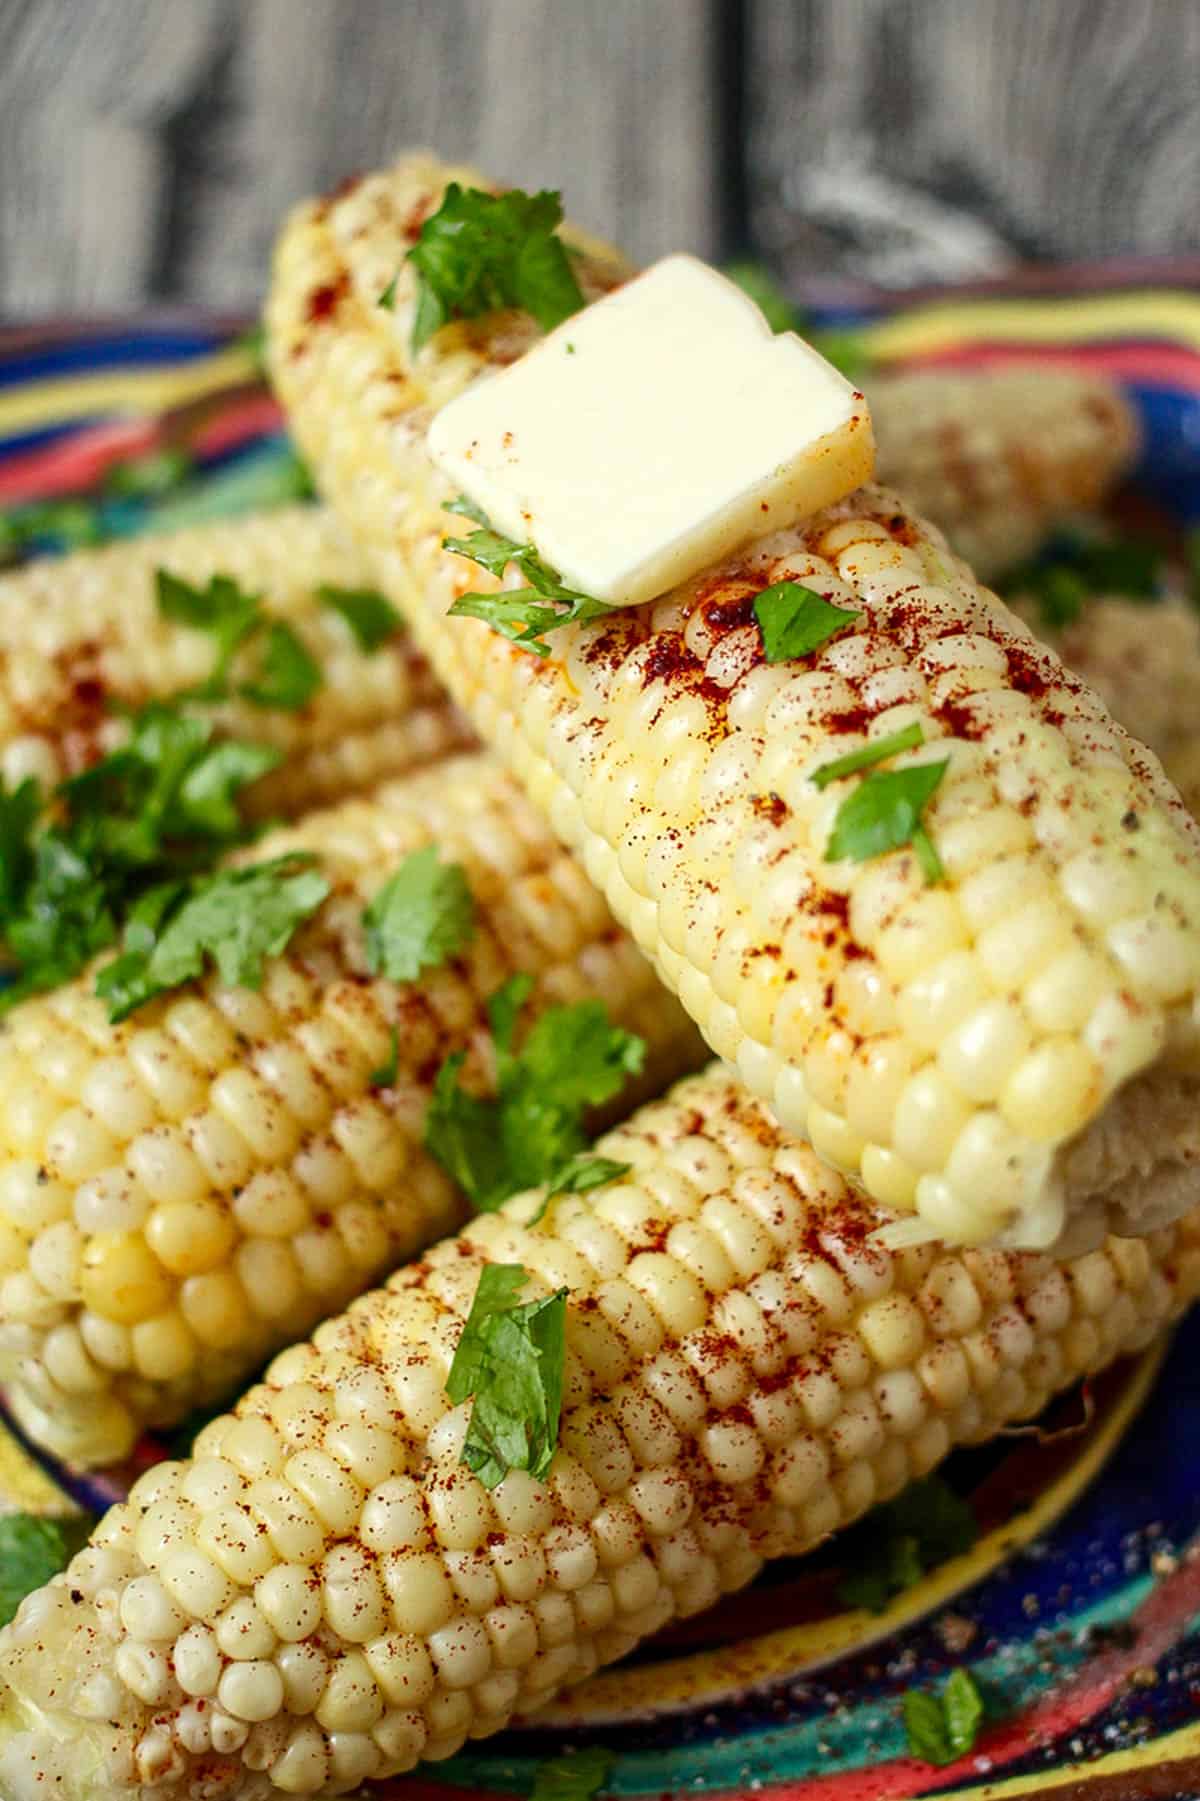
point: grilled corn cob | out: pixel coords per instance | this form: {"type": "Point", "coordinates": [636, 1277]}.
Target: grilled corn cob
{"type": "Point", "coordinates": [996, 458]}
{"type": "Point", "coordinates": [82, 632]}
{"type": "Point", "coordinates": [184, 1192]}
{"type": "Point", "coordinates": [1144, 662]}
{"type": "Point", "coordinates": [322, 1594]}
{"type": "Point", "coordinates": [1011, 1054]}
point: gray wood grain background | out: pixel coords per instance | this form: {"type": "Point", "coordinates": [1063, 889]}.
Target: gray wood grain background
{"type": "Point", "coordinates": [148, 147]}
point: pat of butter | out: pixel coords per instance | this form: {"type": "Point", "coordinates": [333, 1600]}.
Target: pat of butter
{"type": "Point", "coordinates": [654, 433]}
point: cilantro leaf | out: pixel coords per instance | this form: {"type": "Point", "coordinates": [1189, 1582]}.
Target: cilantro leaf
{"type": "Point", "coordinates": [206, 802]}
{"type": "Point", "coordinates": [481, 252]}
{"type": "Point", "coordinates": [1073, 569]}
{"type": "Point", "coordinates": [509, 1362]}
{"type": "Point", "coordinates": [941, 1728]}
{"type": "Point", "coordinates": [420, 918]}
{"type": "Point", "coordinates": [884, 813]}
{"type": "Point", "coordinates": [876, 751]}
{"type": "Point", "coordinates": [146, 477]}
{"type": "Point", "coordinates": [899, 1542]}
{"type": "Point", "coordinates": [584, 1172]}
{"type": "Point", "coordinates": [371, 618]}
{"type": "Point", "coordinates": [387, 300]}
{"type": "Point", "coordinates": [794, 621]}
{"type": "Point", "coordinates": [532, 1129]}
{"type": "Point", "coordinates": [756, 280]}
{"type": "Point", "coordinates": [235, 917]}
{"type": "Point", "coordinates": [523, 615]}
{"type": "Point", "coordinates": [65, 916]}
{"type": "Point", "coordinates": [385, 1075]}
{"type": "Point", "coordinates": [575, 1777]}
{"type": "Point", "coordinates": [32, 1550]}
{"type": "Point", "coordinates": [222, 609]}
{"type": "Point", "coordinates": [18, 815]}
{"type": "Point", "coordinates": [846, 350]}
{"type": "Point", "coordinates": [286, 676]}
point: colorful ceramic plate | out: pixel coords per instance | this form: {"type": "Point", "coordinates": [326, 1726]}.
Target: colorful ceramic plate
{"type": "Point", "coordinates": [1078, 1608]}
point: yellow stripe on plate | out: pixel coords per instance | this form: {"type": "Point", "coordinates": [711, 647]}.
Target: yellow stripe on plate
{"type": "Point", "coordinates": [708, 1677]}
{"type": "Point", "coordinates": [1156, 313]}
{"type": "Point", "coordinates": [136, 391]}
{"type": "Point", "coordinates": [1171, 1748]}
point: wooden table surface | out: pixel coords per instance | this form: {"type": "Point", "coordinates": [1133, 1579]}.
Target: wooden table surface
{"type": "Point", "coordinates": [149, 147]}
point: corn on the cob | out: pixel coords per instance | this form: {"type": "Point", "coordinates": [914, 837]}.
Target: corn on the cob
{"type": "Point", "coordinates": [1010, 1054]}
{"type": "Point", "coordinates": [82, 632]}
{"type": "Point", "coordinates": [1144, 662]}
{"type": "Point", "coordinates": [997, 457]}
{"type": "Point", "coordinates": [322, 1594]}
{"type": "Point", "coordinates": [186, 1191]}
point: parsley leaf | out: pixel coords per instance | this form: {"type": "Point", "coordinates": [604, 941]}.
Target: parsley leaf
{"type": "Point", "coordinates": [420, 918]}
{"type": "Point", "coordinates": [845, 349]}
{"type": "Point", "coordinates": [18, 816]}
{"type": "Point", "coordinates": [576, 1777]}
{"type": "Point", "coordinates": [884, 813]}
{"type": "Point", "coordinates": [481, 252]}
{"type": "Point", "coordinates": [510, 1360]}
{"type": "Point", "coordinates": [943, 1727]}
{"type": "Point", "coordinates": [371, 618]}
{"type": "Point", "coordinates": [286, 676]}
{"type": "Point", "coordinates": [794, 621]}
{"type": "Point", "coordinates": [877, 751]}
{"type": "Point", "coordinates": [222, 609]}
{"type": "Point", "coordinates": [163, 802]}
{"type": "Point", "coordinates": [1073, 569]}
{"type": "Point", "coordinates": [235, 917]}
{"type": "Point", "coordinates": [32, 1550]}
{"type": "Point", "coordinates": [897, 1543]}
{"type": "Point", "coordinates": [532, 1129]}
{"type": "Point", "coordinates": [584, 1172]}
{"type": "Point", "coordinates": [146, 477]}
{"type": "Point", "coordinates": [385, 1075]}
{"type": "Point", "coordinates": [523, 614]}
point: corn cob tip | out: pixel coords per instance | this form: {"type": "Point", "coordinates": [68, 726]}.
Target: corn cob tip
{"type": "Point", "coordinates": [322, 1594]}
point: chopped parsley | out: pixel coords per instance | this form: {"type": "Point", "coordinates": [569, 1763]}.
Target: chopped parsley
{"type": "Point", "coordinates": [509, 1363]}
{"type": "Point", "coordinates": [280, 672]}
{"type": "Point", "coordinates": [577, 1776]}
{"type": "Point", "coordinates": [162, 804]}
{"type": "Point", "coordinates": [385, 1075]}
{"type": "Point", "coordinates": [483, 252]}
{"type": "Point", "coordinates": [899, 1542]}
{"type": "Point", "coordinates": [522, 614]}
{"type": "Point", "coordinates": [235, 918]}
{"type": "Point", "coordinates": [943, 1727]}
{"type": "Point", "coordinates": [530, 1131]}
{"type": "Point", "coordinates": [420, 918]}
{"type": "Point", "coordinates": [387, 300]}
{"type": "Point", "coordinates": [794, 620]}
{"type": "Point", "coordinates": [371, 618]}
{"type": "Point", "coordinates": [877, 751]}
{"type": "Point", "coordinates": [32, 1550]}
